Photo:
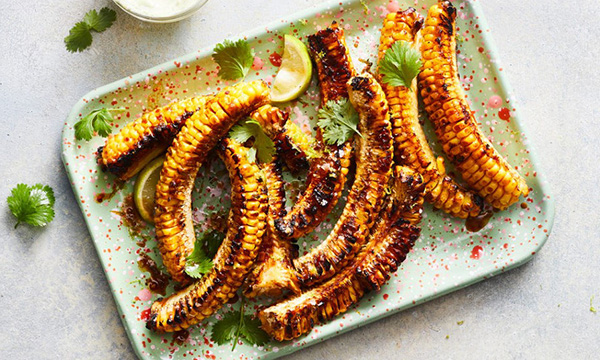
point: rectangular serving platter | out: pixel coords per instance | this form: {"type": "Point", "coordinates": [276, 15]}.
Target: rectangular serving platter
{"type": "Point", "coordinates": [445, 258]}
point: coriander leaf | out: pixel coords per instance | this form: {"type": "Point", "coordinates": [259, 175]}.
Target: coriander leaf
{"type": "Point", "coordinates": [100, 21]}
{"type": "Point", "coordinates": [79, 37]}
{"type": "Point", "coordinates": [252, 332]}
{"type": "Point", "coordinates": [96, 121]}
{"type": "Point", "coordinates": [102, 122]}
{"type": "Point", "coordinates": [339, 121]}
{"type": "Point", "coordinates": [234, 58]}
{"type": "Point", "coordinates": [263, 146]}
{"type": "Point", "coordinates": [33, 205]}
{"type": "Point", "coordinates": [84, 128]}
{"type": "Point", "coordinates": [400, 65]}
{"type": "Point", "coordinates": [197, 269]}
{"type": "Point", "coordinates": [198, 263]}
{"type": "Point", "coordinates": [226, 329]}
{"type": "Point", "coordinates": [243, 131]}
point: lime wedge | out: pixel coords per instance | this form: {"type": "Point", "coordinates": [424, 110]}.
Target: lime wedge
{"type": "Point", "coordinates": [145, 188]}
{"type": "Point", "coordinates": [295, 72]}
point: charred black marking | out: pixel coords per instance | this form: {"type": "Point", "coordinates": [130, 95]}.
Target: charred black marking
{"type": "Point", "coordinates": [418, 25]}
{"type": "Point", "coordinates": [447, 22]}
{"type": "Point", "coordinates": [447, 5]}
{"type": "Point", "coordinates": [322, 198]}
{"type": "Point", "coordinates": [294, 158]}
{"type": "Point", "coordinates": [151, 322]}
{"type": "Point", "coordinates": [178, 317]}
{"type": "Point", "coordinates": [478, 200]}
{"type": "Point", "coordinates": [359, 82]}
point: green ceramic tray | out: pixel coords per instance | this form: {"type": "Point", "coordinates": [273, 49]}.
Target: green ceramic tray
{"type": "Point", "coordinates": [445, 258]}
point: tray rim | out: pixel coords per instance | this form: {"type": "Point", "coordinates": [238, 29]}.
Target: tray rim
{"type": "Point", "coordinates": [310, 12]}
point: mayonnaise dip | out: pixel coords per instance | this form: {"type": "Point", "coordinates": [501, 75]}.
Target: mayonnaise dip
{"type": "Point", "coordinates": [158, 8]}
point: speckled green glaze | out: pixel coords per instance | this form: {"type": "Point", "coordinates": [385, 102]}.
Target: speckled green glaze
{"type": "Point", "coordinates": [445, 258]}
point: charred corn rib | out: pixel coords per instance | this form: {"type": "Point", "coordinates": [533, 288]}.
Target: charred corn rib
{"type": "Point", "coordinates": [173, 219]}
{"type": "Point", "coordinates": [480, 165]}
{"type": "Point", "coordinates": [327, 175]}
{"type": "Point", "coordinates": [291, 143]}
{"type": "Point", "coordinates": [273, 272]}
{"type": "Point", "coordinates": [334, 66]}
{"type": "Point", "coordinates": [373, 170]}
{"type": "Point", "coordinates": [246, 226]}
{"type": "Point", "coordinates": [400, 220]}
{"type": "Point", "coordinates": [390, 241]}
{"type": "Point", "coordinates": [410, 145]}
{"type": "Point", "coordinates": [128, 151]}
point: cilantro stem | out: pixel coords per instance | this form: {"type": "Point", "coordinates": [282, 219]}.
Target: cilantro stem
{"type": "Point", "coordinates": [237, 333]}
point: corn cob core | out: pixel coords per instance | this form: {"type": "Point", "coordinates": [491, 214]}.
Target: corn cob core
{"type": "Point", "coordinates": [173, 220]}
{"type": "Point", "coordinates": [373, 170]}
{"type": "Point", "coordinates": [410, 144]}
{"type": "Point", "coordinates": [273, 272]}
{"type": "Point", "coordinates": [480, 165]}
{"type": "Point", "coordinates": [234, 259]}
{"type": "Point", "coordinates": [128, 151]}
{"type": "Point", "coordinates": [391, 239]}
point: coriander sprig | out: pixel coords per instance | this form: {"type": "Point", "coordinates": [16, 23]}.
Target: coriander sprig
{"type": "Point", "coordinates": [97, 121]}
{"type": "Point", "coordinates": [199, 262]}
{"type": "Point", "coordinates": [234, 59]}
{"type": "Point", "coordinates": [236, 325]}
{"type": "Point", "coordinates": [263, 146]}
{"type": "Point", "coordinates": [339, 121]}
{"type": "Point", "coordinates": [80, 36]}
{"type": "Point", "coordinates": [33, 205]}
{"type": "Point", "coordinates": [400, 64]}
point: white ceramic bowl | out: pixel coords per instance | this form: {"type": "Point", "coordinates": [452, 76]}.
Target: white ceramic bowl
{"type": "Point", "coordinates": [151, 15]}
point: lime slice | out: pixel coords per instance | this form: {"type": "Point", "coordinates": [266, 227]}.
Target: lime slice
{"type": "Point", "coordinates": [295, 72]}
{"type": "Point", "coordinates": [145, 188]}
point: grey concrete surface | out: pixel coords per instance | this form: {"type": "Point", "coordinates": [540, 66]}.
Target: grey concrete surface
{"type": "Point", "coordinates": [54, 298]}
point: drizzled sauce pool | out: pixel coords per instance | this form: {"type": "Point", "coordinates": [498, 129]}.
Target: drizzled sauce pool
{"type": "Point", "coordinates": [158, 8]}
{"type": "Point", "coordinates": [107, 196]}
{"type": "Point", "coordinates": [158, 281]}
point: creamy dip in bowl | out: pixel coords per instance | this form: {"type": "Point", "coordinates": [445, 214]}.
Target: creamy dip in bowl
{"type": "Point", "coordinates": [160, 11]}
